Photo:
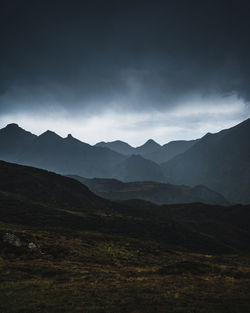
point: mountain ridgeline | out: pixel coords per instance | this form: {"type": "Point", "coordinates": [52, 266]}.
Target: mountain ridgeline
{"type": "Point", "coordinates": [220, 161]}
{"type": "Point", "coordinates": [151, 191]}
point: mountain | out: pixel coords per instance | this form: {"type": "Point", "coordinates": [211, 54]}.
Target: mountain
{"type": "Point", "coordinates": [169, 150]}
{"type": "Point", "coordinates": [117, 146]}
{"type": "Point", "coordinates": [151, 150]}
{"type": "Point", "coordinates": [52, 152]}
{"type": "Point", "coordinates": [151, 191]}
{"type": "Point", "coordinates": [124, 148]}
{"type": "Point", "coordinates": [148, 147]}
{"type": "Point", "coordinates": [136, 168]}
{"type": "Point", "coordinates": [13, 140]}
{"type": "Point", "coordinates": [220, 161]}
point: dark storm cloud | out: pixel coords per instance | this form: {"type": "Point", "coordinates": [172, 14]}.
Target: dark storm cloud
{"type": "Point", "coordinates": [130, 54]}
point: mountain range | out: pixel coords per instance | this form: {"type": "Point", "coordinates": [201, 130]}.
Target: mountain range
{"type": "Point", "coordinates": [150, 150]}
{"type": "Point", "coordinates": [219, 161]}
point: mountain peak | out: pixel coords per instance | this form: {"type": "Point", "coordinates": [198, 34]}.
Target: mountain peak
{"type": "Point", "coordinates": [12, 126]}
{"type": "Point", "coordinates": [49, 135]}
{"type": "Point", "coordinates": [14, 129]}
{"type": "Point", "coordinates": [151, 142]}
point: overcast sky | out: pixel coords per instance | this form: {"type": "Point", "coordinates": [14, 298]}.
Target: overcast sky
{"type": "Point", "coordinates": [129, 70]}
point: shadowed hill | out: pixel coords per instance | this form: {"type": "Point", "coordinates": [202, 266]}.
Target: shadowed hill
{"type": "Point", "coordinates": [38, 198]}
{"type": "Point", "coordinates": [46, 187]}
{"type": "Point", "coordinates": [152, 191]}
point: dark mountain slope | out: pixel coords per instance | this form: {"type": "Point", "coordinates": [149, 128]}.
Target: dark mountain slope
{"type": "Point", "coordinates": [220, 161]}
{"type": "Point", "coordinates": [170, 150]}
{"type": "Point", "coordinates": [136, 168]}
{"type": "Point", "coordinates": [13, 140]}
{"type": "Point", "coordinates": [151, 191]}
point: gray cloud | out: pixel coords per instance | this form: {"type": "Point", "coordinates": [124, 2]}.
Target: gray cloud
{"type": "Point", "coordinates": [124, 55]}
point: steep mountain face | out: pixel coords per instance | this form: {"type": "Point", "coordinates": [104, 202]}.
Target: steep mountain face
{"type": "Point", "coordinates": [151, 191]}
{"type": "Point", "coordinates": [62, 155]}
{"type": "Point", "coordinates": [220, 161]}
{"type": "Point", "coordinates": [136, 168]}
{"type": "Point", "coordinates": [170, 150]}
{"type": "Point", "coordinates": [13, 140]}
{"type": "Point", "coordinates": [117, 146]}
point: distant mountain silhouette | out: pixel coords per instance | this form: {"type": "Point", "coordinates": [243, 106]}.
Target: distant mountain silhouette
{"type": "Point", "coordinates": [169, 150]}
{"type": "Point", "coordinates": [148, 147]}
{"type": "Point", "coordinates": [13, 140]}
{"type": "Point", "coordinates": [52, 152]}
{"type": "Point", "coordinates": [136, 168]}
{"type": "Point", "coordinates": [124, 148]}
{"type": "Point", "coordinates": [117, 146]}
{"type": "Point", "coordinates": [220, 161]}
{"type": "Point", "coordinates": [151, 191]}
{"type": "Point", "coordinates": [150, 150]}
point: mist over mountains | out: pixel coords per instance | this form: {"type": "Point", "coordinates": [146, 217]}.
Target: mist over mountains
{"type": "Point", "coordinates": [219, 161]}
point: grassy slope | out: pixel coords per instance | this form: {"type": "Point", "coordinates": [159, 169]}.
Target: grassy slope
{"type": "Point", "coordinates": [119, 257]}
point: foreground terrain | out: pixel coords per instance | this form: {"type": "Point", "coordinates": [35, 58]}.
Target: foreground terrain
{"type": "Point", "coordinates": [63, 249]}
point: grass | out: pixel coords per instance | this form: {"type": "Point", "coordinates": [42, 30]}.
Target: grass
{"type": "Point", "coordinates": [92, 272]}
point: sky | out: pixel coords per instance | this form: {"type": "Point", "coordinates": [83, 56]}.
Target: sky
{"type": "Point", "coordinates": [128, 70]}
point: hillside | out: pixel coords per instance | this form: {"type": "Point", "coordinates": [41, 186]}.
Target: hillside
{"type": "Point", "coordinates": [33, 192]}
{"type": "Point", "coordinates": [63, 249]}
{"type": "Point", "coordinates": [220, 161]}
{"type": "Point", "coordinates": [151, 191]}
